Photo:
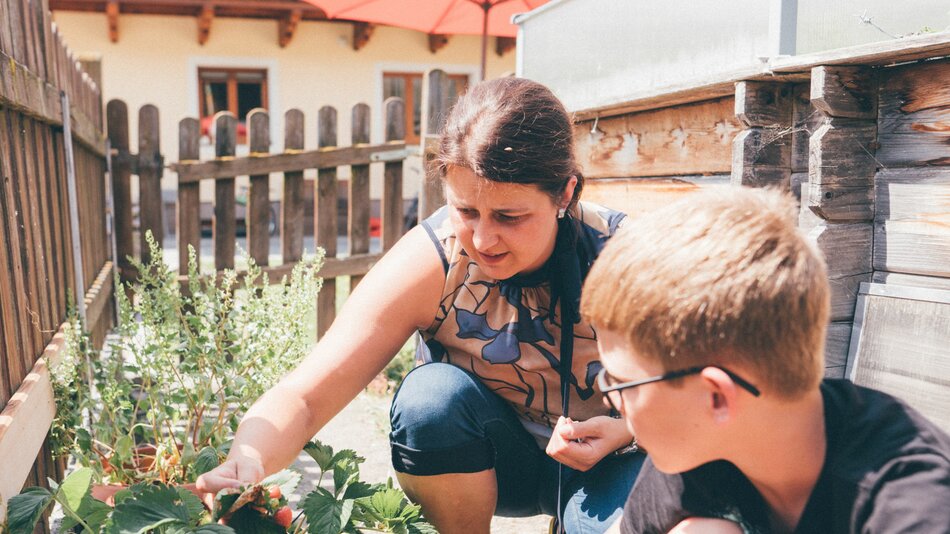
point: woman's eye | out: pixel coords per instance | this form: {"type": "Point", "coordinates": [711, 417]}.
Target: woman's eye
{"type": "Point", "coordinates": [510, 219]}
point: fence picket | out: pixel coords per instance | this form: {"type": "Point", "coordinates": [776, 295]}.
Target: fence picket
{"type": "Point", "coordinates": [292, 208]}
{"type": "Point", "coordinates": [257, 216]}
{"type": "Point", "coordinates": [225, 234]}
{"type": "Point", "coordinates": [325, 214]}
{"type": "Point", "coordinates": [435, 94]}
{"type": "Point", "coordinates": [392, 212]}
{"type": "Point", "coordinates": [117, 114]}
{"type": "Point", "coordinates": [150, 169]}
{"type": "Point", "coordinates": [189, 201]}
{"type": "Point", "coordinates": [359, 202]}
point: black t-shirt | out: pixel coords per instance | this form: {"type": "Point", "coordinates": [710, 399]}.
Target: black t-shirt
{"type": "Point", "coordinates": [887, 469]}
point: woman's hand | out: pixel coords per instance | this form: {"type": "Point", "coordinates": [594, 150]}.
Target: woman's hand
{"type": "Point", "coordinates": [237, 471]}
{"type": "Point", "coordinates": [581, 444]}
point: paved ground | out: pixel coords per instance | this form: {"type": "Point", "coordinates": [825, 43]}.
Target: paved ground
{"type": "Point", "coordinates": [364, 427]}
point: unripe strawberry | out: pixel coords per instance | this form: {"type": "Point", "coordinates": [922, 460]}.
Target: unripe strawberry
{"type": "Point", "coordinates": [273, 492]}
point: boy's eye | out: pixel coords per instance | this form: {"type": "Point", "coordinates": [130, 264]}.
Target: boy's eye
{"type": "Point", "coordinates": [467, 213]}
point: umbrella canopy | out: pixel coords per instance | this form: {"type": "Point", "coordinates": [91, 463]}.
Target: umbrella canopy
{"type": "Point", "coordinates": [456, 17]}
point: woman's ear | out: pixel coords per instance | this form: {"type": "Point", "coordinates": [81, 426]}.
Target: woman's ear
{"type": "Point", "coordinates": [722, 394]}
{"type": "Point", "coordinates": [568, 192]}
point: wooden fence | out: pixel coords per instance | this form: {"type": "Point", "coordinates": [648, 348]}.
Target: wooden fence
{"type": "Point", "coordinates": [53, 231]}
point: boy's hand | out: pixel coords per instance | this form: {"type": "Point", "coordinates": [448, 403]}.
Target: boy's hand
{"type": "Point", "coordinates": [581, 444]}
{"type": "Point", "coordinates": [235, 472]}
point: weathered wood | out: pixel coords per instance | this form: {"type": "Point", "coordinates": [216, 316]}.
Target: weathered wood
{"type": "Point", "coordinates": [763, 104]}
{"type": "Point", "coordinates": [912, 280]}
{"type": "Point", "coordinates": [846, 248]}
{"type": "Point", "coordinates": [325, 216]}
{"type": "Point", "coordinates": [359, 202]}
{"type": "Point", "coordinates": [691, 139]}
{"type": "Point", "coordinates": [150, 169]}
{"type": "Point", "coordinates": [837, 339]}
{"type": "Point", "coordinates": [99, 296]}
{"type": "Point", "coordinates": [189, 200]}
{"type": "Point", "coordinates": [797, 182]}
{"type": "Point", "coordinates": [914, 124]}
{"type": "Point", "coordinates": [117, 115]}
{"type": "Point", "coordinates": [805, 121]}
{"type": "Point", "coordinates": [332, 268]}
{"type": "Point", "coordinates": [841, 203]}
{"type": "Point", "coordinates": [329, 158]}
{"type": "Point", "coordinates": [436, 102]}
{"type": "Point", "coordinates": [292, 207]}
{"type": "Point", "coordinates": [841, 169]}
{"type": "Point", "coordinates": [844, 294]}
{"type": "Point", "coordinates": [847, 92]}
{"type": "Point", "coordinates": [912, 223]}
{"type": "Point", "coordinates": [637, 196]}
{"type": "Point", "coordinates": [25, 422]}
{"type": "Point", "coordinates": [762, 157]}
{"type": "Point", "coordinates": [431, 195]}
{"type": "Point", "coordinates": [224, 223]}
{"type": "Point", "coordinates": [392, 210]}
{"type": "Point", "coordinates": [257, 218]}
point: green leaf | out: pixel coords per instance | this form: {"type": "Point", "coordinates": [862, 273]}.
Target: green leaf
{"type": "Point", "coordinates": [322, 454]}
{"type": "Point", "coordinates": [74, 488]}
{"type": "Point", "coordinates": [93, 512]}
{"type": "Point", "coordinates": [324, 513]}
{"type": "Point", "coordinates": [421, 527]}
{"type": "Point", "coordinates": [206, 460]}
{"type": "Point", "coordinates": [196, 509]}
{"type": "Point", "coordinates": [249, 521]}
{"type": "Point", "coordinates": [287, 480]}
{"type": "Point", "coordinates": [149, 508]}
{"type": "Point", "coordinates": [24, 510]}
{"type": "Point", "coordinates": [388, 503]}
{"type": "Point", "coordinates": [360, 489]}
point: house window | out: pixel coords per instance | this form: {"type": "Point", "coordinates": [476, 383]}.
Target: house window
{"type": "Point", "coordinates": [408, 86]}
{"type": "Point", "coordinates": [235, 90]}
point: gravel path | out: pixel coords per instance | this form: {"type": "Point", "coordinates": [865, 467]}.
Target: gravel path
{"type": "Point", "coordinates": [364, 427]}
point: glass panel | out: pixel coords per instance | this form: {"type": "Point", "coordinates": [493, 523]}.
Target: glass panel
{"type": "Point", "coordinates": [394, 86]}
{"type": "Point", "coordinates": [249, 97]}
{"type": "Point", "coordinates": [216, 76]}
{"type": "Point", "coordinates": [417, 105]}
{"type": "Point", "coordinates": [216, 97]}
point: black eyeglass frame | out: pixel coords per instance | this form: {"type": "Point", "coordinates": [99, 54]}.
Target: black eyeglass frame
{"type": "Point", "coordinates": [606, 388]}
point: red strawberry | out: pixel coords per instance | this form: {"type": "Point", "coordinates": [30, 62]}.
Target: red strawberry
{"type": "Point", "coordinates": [284, 517]}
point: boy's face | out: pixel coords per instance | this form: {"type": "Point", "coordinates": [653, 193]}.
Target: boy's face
{"type": "Point", "coordinates": [671, 423]}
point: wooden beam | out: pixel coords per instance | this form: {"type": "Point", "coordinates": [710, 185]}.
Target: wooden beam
{"type": "Point", "coordinates": [300, 161]}
{"type": "Point", "coordinates": [358, 264]}
{"type": "Point", "coordinates": [848, 92]}
{"type": "Point", "coordinates": [362, 31]}
{"type": "Point", "coordinates": [437, 41]}
{"type": "Point", "coordinates": [286, 27]}
{"type": "Point", "coordinates": [914, 124]}
{"type": "Point", "coordinates": [272, 9]}
{"type": "Point", "coordinates": [204, 23]}
{"type": "Point", "coordinates": [112, 14]}
{"type": "Point", "coordinates": [504, 44]}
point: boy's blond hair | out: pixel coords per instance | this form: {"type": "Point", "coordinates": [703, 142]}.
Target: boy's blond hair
{"type": "Point", "coordinates": [721, 276]}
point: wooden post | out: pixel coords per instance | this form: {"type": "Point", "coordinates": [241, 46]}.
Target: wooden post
{"type": "Point", "coordinates": [839, 192]}
{"type": "Point", "coordinates": [189, 200]}
{"type": "Point", "coordinates": [392, 210]}
{"type": "Point", "coordinates": [291, 209]}
{"type": "Point", "coordinates": [117, 115]}
{"type": "Point", "coordinates": [150, 169]}
{"type": "Point", "coordinates": [225, 234]}
{"type": "Point", "coordinates": [257, 216]}
{"type": "Point", "coordinates": [435, 95]}
{"type": "Point", "coordinates": [761, 154]}
{"type": "Point", "coordinates": [325, 214]}
{"type": "Point", "coordinates": [359, 208]}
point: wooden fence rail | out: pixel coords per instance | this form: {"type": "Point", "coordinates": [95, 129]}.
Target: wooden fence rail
{"type": "Point", "coordinates": [39, 255]}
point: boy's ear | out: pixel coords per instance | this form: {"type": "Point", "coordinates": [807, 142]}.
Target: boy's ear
{"type": "Point", "coordinates": [722, 394]}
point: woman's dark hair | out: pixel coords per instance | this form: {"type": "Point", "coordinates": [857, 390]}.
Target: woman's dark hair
{"type": "Point", "coordinates": [512, 130]}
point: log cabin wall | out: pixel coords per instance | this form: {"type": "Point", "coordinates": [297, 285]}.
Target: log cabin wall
{"type": "Point", "coordinates": [860, 136]}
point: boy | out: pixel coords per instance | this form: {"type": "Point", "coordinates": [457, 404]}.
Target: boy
{"type": "Point", "coordinates": [711, 317]}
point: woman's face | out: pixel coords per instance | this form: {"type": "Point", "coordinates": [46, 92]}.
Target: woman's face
{"type": "Point", "coordinates": [506, 228]}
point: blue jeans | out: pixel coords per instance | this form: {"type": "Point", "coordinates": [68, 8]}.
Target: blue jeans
{"type": "Point", "coordinates": [445, 420]}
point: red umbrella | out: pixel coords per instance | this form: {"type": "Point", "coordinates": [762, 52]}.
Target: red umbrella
{"type": "Point", "coordinates": [468, 17]}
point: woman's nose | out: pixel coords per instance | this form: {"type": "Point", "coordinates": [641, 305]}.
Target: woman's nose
{"type": "Point", "coordinates": [484, 236]}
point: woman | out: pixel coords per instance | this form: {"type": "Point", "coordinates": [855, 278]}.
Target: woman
{"type": "Point", "coordinates": [487, 281]}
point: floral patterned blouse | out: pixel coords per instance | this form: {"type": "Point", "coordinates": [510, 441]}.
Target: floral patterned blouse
{"type": "Point", "coordinates": [504, 331]}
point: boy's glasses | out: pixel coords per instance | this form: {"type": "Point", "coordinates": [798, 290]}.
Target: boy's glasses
{"type": "Point", "coordinates": [612, 391]}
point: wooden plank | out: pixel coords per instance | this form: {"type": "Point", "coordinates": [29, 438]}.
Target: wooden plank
{"type": "Point", "coordinates": [25, 421]}
{"type": "Point", "coordinates": [881, 53]}
{"type": "Point", "coordinates": [224, 223]}
{"type": "Point", "coordinates": [797, 181]}
{"type": "Point", "coordinates": [691, 139]}
{"type": "Point", "coordinates": [99, 297]}
{"type": "Point", "coordinates": [761, 157]}
{"type": "Point", "coordinates": [848, 92]}
{"type": "Point", "coordinates": [117, 121]}
{"type": "Point", "coordinates": [258, 201]}
{"type": "Point", "coordinates": [392, 211]}
{"type": "Point", "coordinates": [844, 295]}
{"type": "Point", "coordinates": [359, 200]}
{"type": "Point", "coordinates": [6, 35]}
{"type": "Point", "coordinates": [914, 124]}
{"type": "Point", "coordinates": [912, 223]}
{"type": "Point", "coordinates": [637, 196]}
{"type": "Point", "coordinates": [763, 104]}
{"type": "Point", "coordinates": [325, 214]}
{"type": "Point", "coordinates": [41, 238]}
{"type": "Point", "coordinates": [329, 158]}
{"type": "Point", "coordinates": [837, 340]}
{"type": "Point", "coordinates": [33, 254]}
{"type": "Point", "coordinates": [11, 370]}
{"type": "Point", "coordinates": [846, 248]}
{"type": "Point", "coordinates": [332, 268]}
{"type": "Point", "coordinates": [841, 170]}
{"type": "Point", "coordinates": [189, 201]}
{"type": "Point", "coordinates": [292, 207]}
{"type": "Point", "coordinates": [436, 99]}
{"type": "Point", "coordinates": [912, 280]}
{"type": "Point", "coordinates": [431, 195]}
{"type": "Point", "coordinates": [805, 121]}
{"type": "Point", "coordinates": [150, 168]}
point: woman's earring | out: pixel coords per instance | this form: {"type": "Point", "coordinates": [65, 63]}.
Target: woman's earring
{"type": "Point", "coordinates": [561, 212]}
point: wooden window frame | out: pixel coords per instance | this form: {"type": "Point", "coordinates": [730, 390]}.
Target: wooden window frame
{"type": "Point", "coordinates": [411, 137]}
{"type": "Point", "coordinates": [232, 83]}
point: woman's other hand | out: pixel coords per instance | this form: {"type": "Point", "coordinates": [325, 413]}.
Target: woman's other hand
{"type": "Point", "coordinates": [581, 444]}
{"type": "Point", "coordinates": [237, 471]}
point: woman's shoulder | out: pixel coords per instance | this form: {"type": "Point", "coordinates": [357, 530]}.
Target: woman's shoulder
{"type": "Point", "coordinates": [599, 222]}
